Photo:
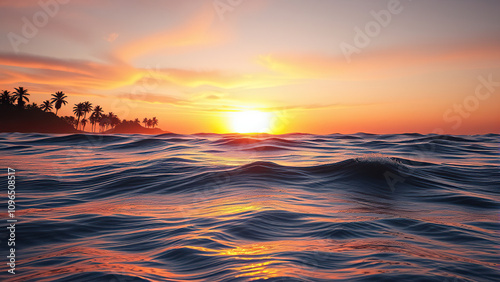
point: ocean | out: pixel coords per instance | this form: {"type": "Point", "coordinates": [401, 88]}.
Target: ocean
{"type": "Point", "coordinates": [211, 207]}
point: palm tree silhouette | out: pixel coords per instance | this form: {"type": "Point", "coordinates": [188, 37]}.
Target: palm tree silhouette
{"type": "Point", "coordinates": [97, 117]}
{"type": "Point", "coordinates": [87, 107]}
{"type": "Point", "coordinates": [98, 111]}
{"type": "Point", "coordinates": [21, 96]}
{"type": "Point", "coordinates": [46, 106]}
{"type": "Point", "coordinates": [113, 119]}
{"type": "Point", "coordinates": [32, 106]}
{"type": "Point", "coordinates": [93, 120]}
{"type": "Point", "coordinates": [70, 119]}
{"type": "Point", "coordinates": [102, 122]}
{"type": "Point", "coordinates": [84, 122]}
{"type": "Point", "coordinates": [59, 100]}
{"type": "Point", "coordinates": [106, 120]}
{"type": "Point", "coordinates": [6, 98]}
{"type": "Point", "coordinates": [78, 111]}
{"type": "Point", "coordinates": [97, 114]}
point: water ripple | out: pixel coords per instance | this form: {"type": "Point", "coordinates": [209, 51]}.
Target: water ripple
{"type": "Point", "coordinates": [296, 207]}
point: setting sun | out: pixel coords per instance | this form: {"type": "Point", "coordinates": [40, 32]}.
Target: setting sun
{"type": "Point", "coordinates": [250, 121]}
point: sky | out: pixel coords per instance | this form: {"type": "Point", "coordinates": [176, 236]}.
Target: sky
{"type": "Point", "coordinates": [378, 66]}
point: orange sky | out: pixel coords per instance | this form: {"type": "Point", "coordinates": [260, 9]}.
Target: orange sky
{"type": "Point", "coordinates": [421, 66]}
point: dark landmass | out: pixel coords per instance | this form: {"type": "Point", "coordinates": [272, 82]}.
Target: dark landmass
{"type": "Point", "coordinates": [33, 120]}
{"type": "Point", "coordinates": [133, 128]}
{"type": "Point", "coordinates": [13, 119]}
{"type": "Point", "coordinates": [18, 116]}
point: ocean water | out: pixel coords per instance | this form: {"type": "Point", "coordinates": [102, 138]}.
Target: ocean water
{"type": "Point", "coordinates": [296, 207]}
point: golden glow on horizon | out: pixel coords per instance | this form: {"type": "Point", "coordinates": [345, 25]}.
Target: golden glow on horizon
{"type": "Point", "coordinates": [250, 121]}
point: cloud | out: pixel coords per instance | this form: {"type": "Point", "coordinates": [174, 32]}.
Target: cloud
{"type": "Point", "coordinates": [66, 72]}
{"type": "Point", "coordinates": [112, 37]}
{"type": "Point", "coordinates": [90, 76]}
{"type": "Point", "coordinates": [153, 98]}
{"type": "Point", "coordinates": [46, 63]}
{"type": "Point", "coordinates": [213, 102]}
{"type": "Point", "coordinates": [285, 107]}
{"type": "Point", "coordinates": [219, 79]}
{"type": "Point", "coordinates": [195, 31]}
{"type": "Point", "coordinates": [383, 63]}
{"type": "Point", "coordinates": [213, 97]}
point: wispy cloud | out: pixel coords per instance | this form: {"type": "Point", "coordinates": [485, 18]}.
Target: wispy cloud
{"type": "Point", "coordinates": [112, 37]}
{"type": "Point", "coordinates": [153, 98]}
{"type": "Point", "coordinates": [194, 32]}
{"type": "Point", "coordinates": [78, 73]}
{"type": "Point", "coordinates": [384, 63]}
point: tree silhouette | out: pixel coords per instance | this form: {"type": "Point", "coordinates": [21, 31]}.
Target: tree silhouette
{"type": "Point", "coordinates": [46, 106]}
{"type": "Point", "coordinates": [93, 120]}
{"type": "Point", "coordinates": [113, 120]}
{"type": "Point", "coordinates": [106, 120]}
{"type": "Point", "coordinates": [87, 107]}
{"type": "Point", "coordinates": [70, 120]}
{"type": "Point", "coordinates": [84, 122]}
{"type": "Point", "coordinates": [98, 111]}
{"type": "Point", "coordinates": [21, 96]}
{"type": "Point", "coordinates": [78, 111]}
{"type": "Point", "coordinates": [102, 122]}
{"type": "Point", "coordinates": [32, 106]}
{"type": "Point", "coordinates": [6, 98]}
{"type": "Point", "coordinates": [59, 98]}
{"type": "Point", "coordinates": [96, 116]}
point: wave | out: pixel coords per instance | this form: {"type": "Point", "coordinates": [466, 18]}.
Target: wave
{"type": "Point", "coordinates": [445, 139]}
{"type": "Point", "coordinates": [77, 138]}
{"type": "Point", "coordinates": [294, 207]}
{"type": "Point", "coordinates": [266, 148]}
{"type": "Point", "coordinates": [241, 141]}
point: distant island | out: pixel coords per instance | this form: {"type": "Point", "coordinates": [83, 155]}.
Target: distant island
{"type": "Point", "coordinates": [16, 115]}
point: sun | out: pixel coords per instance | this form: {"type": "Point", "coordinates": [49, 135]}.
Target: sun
{"type": "Point", "coordinates": [250, 121]}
